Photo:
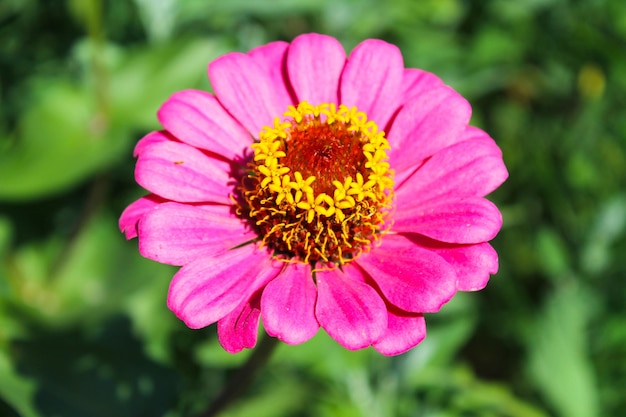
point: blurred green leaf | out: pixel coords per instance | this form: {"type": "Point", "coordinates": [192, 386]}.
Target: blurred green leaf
{"type": "Point", "coordinates": [581, 171]}
{"type": "Point", "coordinates": [493, 45]}
{"type": "Point", "coordinates": [146, 306]}
{"type": "Point", "coordinates": [194, 8]}
{"type": "Point", "coordinates": [518, 10]}
{"type": "Point", "coordinates": [553, 254]}
{"type": "Point", "coordinates": [483, 398]}
{"type": "Point", "coordinates": [610, 223]}
{"type": "Point", "coordinates": [277, 397]}
{"type": "Point", "coordinates": [559, 359]}
{"type": "Point", "coordinates": [158, 17]}
{"type": "Point", "coordinates": [88, 12]}
{"type": "Point", "coordinates": [60, 140]}
{"type": "Point", "coordinates": [66, 136]}
{"type": "Point", "coordinates": [86, 279]}
{"type": "Point", "coordinates": [145, 78]}
{"type": "Point", "coordinates": [15, 389]}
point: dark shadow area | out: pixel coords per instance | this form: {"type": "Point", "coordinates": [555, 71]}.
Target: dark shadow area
{"type": "Point", "coordinates": [102, 374]}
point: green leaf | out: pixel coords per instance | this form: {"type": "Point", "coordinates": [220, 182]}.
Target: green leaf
{"type": "Point", "coordinates": [61, 139]}
{"type": "Point", "coordinates": [93, 275]}
{"type": "Point", "coordinates": [158, 17]}
{"type": "Point", "coordinates": [144, 78]}
{"type": "Point", "coordinates": [553, 254]}
{"type": "Point", "coordinates": [16, 390]}
{"type": "Point", "coordinates": [559, 361]}
{"type": "Point", "coordinates": [279, 397]}
{"type": "Point", "coordinates": [609, 225]}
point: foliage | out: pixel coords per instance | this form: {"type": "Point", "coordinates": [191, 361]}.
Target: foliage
{"type": "Point", "coordinates": [84, 330]}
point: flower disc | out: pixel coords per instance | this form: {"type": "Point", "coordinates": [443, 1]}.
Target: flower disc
{"type": "Point", "coordinates": [320, 186]}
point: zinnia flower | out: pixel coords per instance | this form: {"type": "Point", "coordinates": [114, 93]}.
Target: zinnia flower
{"type": "Point", "coordinates": [317, 190]}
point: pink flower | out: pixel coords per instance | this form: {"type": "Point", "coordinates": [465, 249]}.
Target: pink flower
{"type": "Point", "coordinates": [317, 190]}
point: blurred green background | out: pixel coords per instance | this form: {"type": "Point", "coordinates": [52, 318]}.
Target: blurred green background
{"type": "Point", "coordinates": [84, 330]}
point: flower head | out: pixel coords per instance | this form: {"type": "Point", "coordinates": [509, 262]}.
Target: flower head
{"type": "Point", "coordinates": [317, 190]}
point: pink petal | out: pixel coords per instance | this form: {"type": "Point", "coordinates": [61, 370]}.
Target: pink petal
{"type": "Point", "coordinates": [288, 305]}
{"type": "Point", "coordinates": [473, 264]}
{"type": "Point", "coordinates": [198, 119]}
{"type": "Point", "coordinates": [150, 139]}
{"type": "Point", "coordinates": [410, 277]}
{"type": "Point", "coordinates": [209, 288]}
{"type": "Point", "coordinates": [462, 220]}
{"type": "Point", "coordinates": [404, 331]}
{"type": "Point", "coordinates": [431, 121]}
{"type": "Point", "coordinates": [350, 311]}
{"type": "Point", "coordinates": [245, 89]}
{"type": "Point", "coordinates": [315, 63]}
{"type": "Point", "coordinates": [473, 167]}
{"type": "Point", "coordinates": [239, 329]}
{"type": "Point", "coordinates": [416, 81]}
{"type": "Point", "coordinates": [176, 234]}
{"type": "Point", "coordinates": [271, 58]}
{"type": "Point", "coordinates": [372, 80]}
{"type": "Point", "coordinates": [180, 172]}
{"type": "Point", "coordinates": [135, 211]}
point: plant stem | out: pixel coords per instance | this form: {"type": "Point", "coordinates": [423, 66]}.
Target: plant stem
{"type": "Point", "coordinates": [244, 376]}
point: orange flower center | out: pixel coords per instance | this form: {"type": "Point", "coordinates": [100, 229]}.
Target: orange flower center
{"type": "Point", "coordinates": [320, 188]}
